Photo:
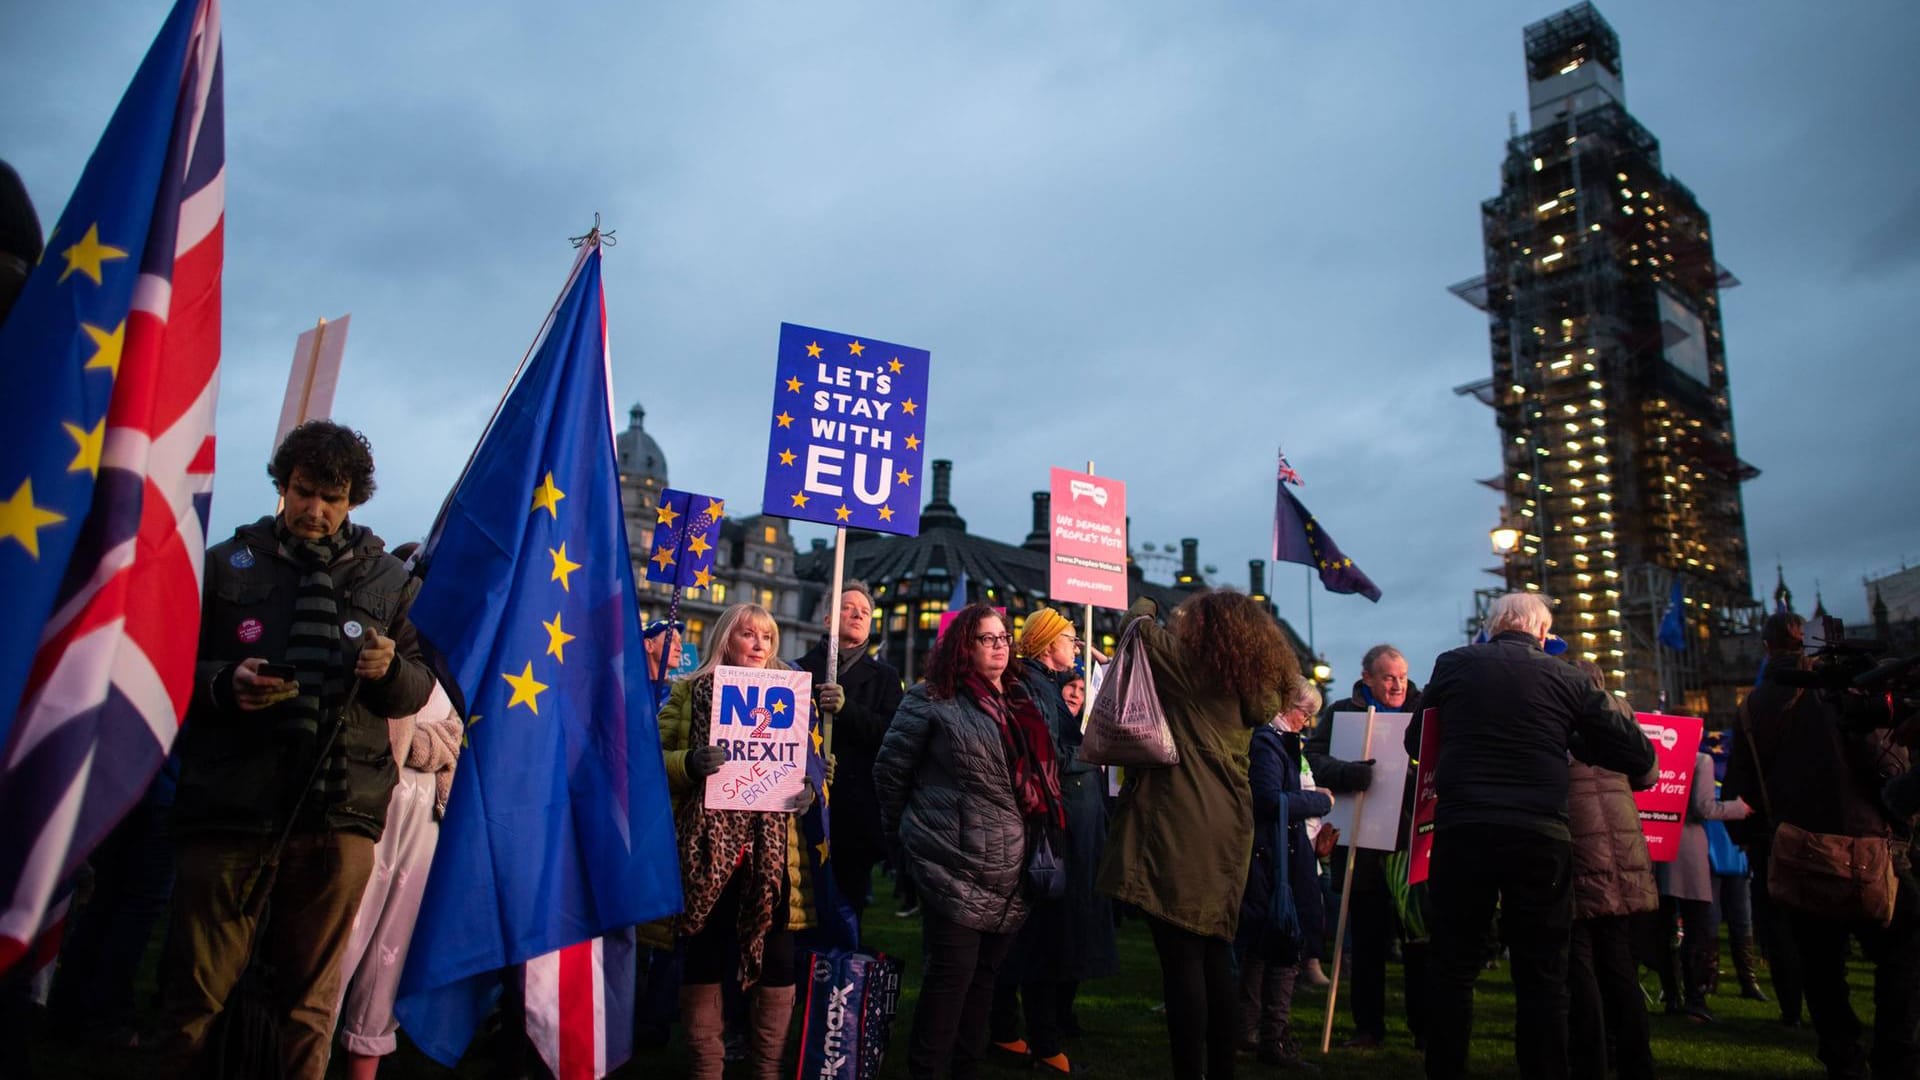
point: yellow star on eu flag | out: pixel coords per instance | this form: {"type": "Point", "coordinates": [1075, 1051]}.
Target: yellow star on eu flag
{"type": "Point", "coordinates": [895, 365]}
{"type": "Point", "coordinates": [22, 520]}
{"type": "Point", "coordinates": [786, 457]}
{"type": "Point", "coordinates": [698, 545]}
{"type": "Point", "coordinates": [909, 407]}
{"type": "Point", "coordinates": [856, 348]}
{"type": "Point", "coordinates": [800, 499]}
{"type": "Point", "coordinates": [903, 476]}
{"type": "Point", "coordinates": [842, 513]}
{"type": "Point", "coordinates": [702, 578]}
{"type": "Point", "coordinates": [665, 515]}
{"type": "Point", "coordinates": [886, 513]}
{"type": "Point", "coordinates": [547, 497]}
{"type": "Point", "coordinates": [715, 509]}
{"type": "Point", "coordinates": [90, 442]}
{"type": "Point", "coordinates": [88, 255]}
{"type": "Point", "coordinates": [813, 351]}
{"type": "Point", "coordinates": [562, 566]}
{"type": "Point", "coordinates": [793, 383]}
{"type": "Point", "coordinates": [557, 639]}
{"type": "Point", "coordinates": [526, 689]}
{"type": "Point", "coordinates": [784, 419]}
{"type": "Point", "coordinates": [913, 442]}
{"type": "Point", "coordinates": [663, 558]}
{"type": "Point", "coordinates": [107, 346]}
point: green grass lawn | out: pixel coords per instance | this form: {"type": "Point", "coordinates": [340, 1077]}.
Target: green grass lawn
{"type": "Point", "coordinates": [1125, 1039]}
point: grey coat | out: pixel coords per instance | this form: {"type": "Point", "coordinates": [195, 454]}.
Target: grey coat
{"type": "Point", "coordinates": [946, 794]}
{"type": "Point", "coordinates": [1690, 875]}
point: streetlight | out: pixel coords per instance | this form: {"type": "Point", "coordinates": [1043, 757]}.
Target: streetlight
{"type": "Point", "coordinates": [1322, 671]}
{"type": "Point", "coordinates": [1504, 537]}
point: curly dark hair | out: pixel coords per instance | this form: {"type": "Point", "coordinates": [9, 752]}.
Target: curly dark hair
{"type": "Point", "coordinates": [330, 455]}
{"type": "Point", "coordinates": [952, 658]}
{"type": "Point", "coordinates": [1237, 644]}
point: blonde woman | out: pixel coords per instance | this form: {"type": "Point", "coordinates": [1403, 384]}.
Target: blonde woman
{"type": "Point", "coordinates": [742, 871]}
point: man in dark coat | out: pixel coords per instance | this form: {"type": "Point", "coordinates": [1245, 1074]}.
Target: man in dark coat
{"type": "Point", "coordinates": [305, 654]}
{"type": "Point", "coordinates": [861, 704]}
{"type": "Point", "coordinates": [1509, 714]}
{"type": "Point", "coordinates": [1810, 767]}
{"type": "Point", "coordinates": [1383, 685]}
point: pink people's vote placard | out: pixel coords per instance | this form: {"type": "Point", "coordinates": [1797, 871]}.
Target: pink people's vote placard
{"type": "Point", "coordinates": [1426, 798]}
{"type": "Point", "coordinates": [1088, 555]}
{"type": "Point", "coordinates": [1663, 807]}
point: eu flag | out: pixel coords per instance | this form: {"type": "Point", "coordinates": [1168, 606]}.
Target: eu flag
{"type": "Point", "coordinates": [1673, 625]}
{"type": "Point", "coordinates": [559, 827]}
{"type": "Point", "coordinates": [1298, 538]}
{"type": "Point", "coordinates": [686, 538]}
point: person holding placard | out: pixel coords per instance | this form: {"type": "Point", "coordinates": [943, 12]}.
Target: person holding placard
{"type": "Point", "coordinates": [1374, 923]}
{"type": "Point", "coordinates": [861, 705]}
{"type": "Point", "coordinates": [1686, 895]}
{"type": "Point", "coordinates": [1181, 840]}
{"type": "Point", "coordinates": [743, 871]}
{"type": "Point", "coordinates": [968, 783]}
{"type": "Point", "coordinates": [1509, 715]}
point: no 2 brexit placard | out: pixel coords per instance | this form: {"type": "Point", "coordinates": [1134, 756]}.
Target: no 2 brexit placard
{"type": "Point", "coordinates": [847, 440]}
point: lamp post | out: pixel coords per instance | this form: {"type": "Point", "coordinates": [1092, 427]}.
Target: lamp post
{"type": "Point", "coordinates": [1322, 671]}
{"type": "Point", "coordinates": [1504, 537]}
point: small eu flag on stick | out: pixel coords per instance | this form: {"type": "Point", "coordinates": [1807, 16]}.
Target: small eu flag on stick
{"type": "Point", "coordinates": [686, 537]}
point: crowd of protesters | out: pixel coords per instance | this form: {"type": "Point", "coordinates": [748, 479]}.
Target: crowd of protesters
{"type": "Point", "coordinates": [953, 784]}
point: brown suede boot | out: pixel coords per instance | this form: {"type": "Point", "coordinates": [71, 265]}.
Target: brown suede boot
{"type": "Point", "coordinates": [772, 1010]}
{"type": "Point", "coordinates": [700, 1014]}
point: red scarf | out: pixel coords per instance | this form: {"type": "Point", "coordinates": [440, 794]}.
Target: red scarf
{"type": "Point", "coordinates": [1030, 760]}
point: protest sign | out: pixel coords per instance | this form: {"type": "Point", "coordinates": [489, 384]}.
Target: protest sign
{"type": "Point", "coordinates": [1426, 798]}
{"type": "Point", "coordinates": [760, 718]}
{"type": "Point", "coordinates": [847, 442]}
{"type": "Point", "coordinates": [1663, 807]}
{"type": "Point", "coordinates": [316, 371]}
{"type": "Point", "coordinates": [1379, 814]}
{"type": "Point", "coordinates": [1088, 554]}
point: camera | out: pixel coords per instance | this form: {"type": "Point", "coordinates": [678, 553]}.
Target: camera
{"type": "Point", "coordinates": [1867, 689]}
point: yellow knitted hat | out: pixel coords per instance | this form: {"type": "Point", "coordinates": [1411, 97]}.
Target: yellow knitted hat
{"type": "Point", "coordinates": [1043, 626]}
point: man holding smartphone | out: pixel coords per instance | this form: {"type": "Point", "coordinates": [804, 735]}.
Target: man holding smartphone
{"type": "Point", "coordinates": [305, 653]}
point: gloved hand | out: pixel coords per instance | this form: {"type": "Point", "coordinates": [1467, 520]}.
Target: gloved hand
{"type": "Point", "coordinates": [804, 801]}
{"type": "Point", "coordinates": [1358, 775]}
{"type": "Point", "coordinates": [705, 761]}
{"type": "Point", "coordinates": [833, 697]}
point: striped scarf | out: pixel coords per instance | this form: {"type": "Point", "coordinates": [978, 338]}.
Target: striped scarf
{"type": "Point", "coordinates": [315, 651]}
{"type": "Point", "coordinates": [1029, 747]}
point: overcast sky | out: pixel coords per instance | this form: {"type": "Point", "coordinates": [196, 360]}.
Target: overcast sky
{"type": "Point", "coordinates": [1163, 237]}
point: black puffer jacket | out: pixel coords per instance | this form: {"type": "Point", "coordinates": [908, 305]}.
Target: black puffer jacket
{"type": "Point", "coordinates": [946, 793]}
{"type": "Point", "coordinates": [873, 696]}
{"type": "Point", "coordinates": [1509, 715]}
{"type": "Point", "coordinates": [235, 772]}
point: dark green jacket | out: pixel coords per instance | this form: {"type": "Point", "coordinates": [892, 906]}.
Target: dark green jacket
{"type": "Point", "coordinates": [236, 771]}
{"type": "Point", "coordinates": [1182, 836]}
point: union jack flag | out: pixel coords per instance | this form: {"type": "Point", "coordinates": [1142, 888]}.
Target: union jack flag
{"type": "Point", "coordinates": [1287, 473]}
{"type": "Point", "coordinates": [106, 473]}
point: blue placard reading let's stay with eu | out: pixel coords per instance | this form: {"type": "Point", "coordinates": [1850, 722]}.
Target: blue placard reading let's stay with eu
{"type": "Point", "coordinates": [847, 441]}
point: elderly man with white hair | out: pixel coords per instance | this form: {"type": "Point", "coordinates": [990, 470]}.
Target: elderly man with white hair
{"type": "Point", "coordinates": [1509, 715]}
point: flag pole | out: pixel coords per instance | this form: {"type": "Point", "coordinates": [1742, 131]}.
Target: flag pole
{"type": "Point", "coordinates": [833, 631]}
{"type": "Point", "coordinates": [1086, 642]}
{"type": "Point", "coordinates": [1346, 891]}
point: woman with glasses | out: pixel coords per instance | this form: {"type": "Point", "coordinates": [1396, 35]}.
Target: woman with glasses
{"type": "Point", "coordinates": [1182, 837]}
{"type": "Point", "coordinates": [965, 776]}
{"type": "Point", "coordinates": [742, 871]}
